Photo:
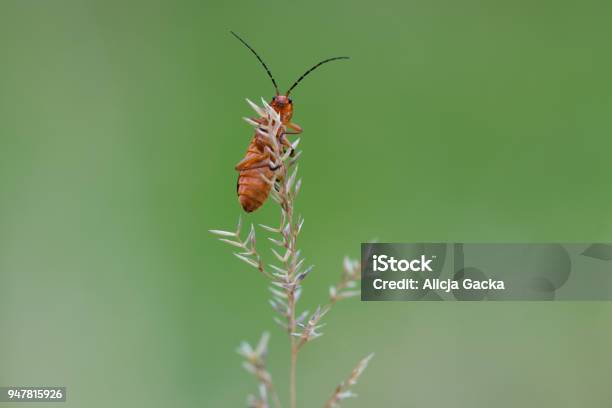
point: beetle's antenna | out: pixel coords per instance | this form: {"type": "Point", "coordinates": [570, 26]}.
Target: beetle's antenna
{"type": "Point", "coordinates": [260, 60]}
{"type": "Point", "coordinates": [312, 69]}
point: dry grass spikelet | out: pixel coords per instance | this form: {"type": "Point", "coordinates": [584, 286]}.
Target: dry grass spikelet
{"type": "Point", "coordinates": [287, 272]}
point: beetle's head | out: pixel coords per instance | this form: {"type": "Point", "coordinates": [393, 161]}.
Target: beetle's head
{"type": "Point", "coordinates": [282, 103]}
{"type": "Point", "coordinates": [284, 106]}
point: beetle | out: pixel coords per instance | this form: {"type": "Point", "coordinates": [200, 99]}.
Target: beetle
{"type": "Point", "coordinates": [252, 188]}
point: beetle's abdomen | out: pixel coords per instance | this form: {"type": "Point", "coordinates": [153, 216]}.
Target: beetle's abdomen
{"type": "Point", "coordinates": [253, 190]}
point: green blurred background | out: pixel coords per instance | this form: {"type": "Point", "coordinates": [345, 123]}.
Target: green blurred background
{"type": "Point", "coordinates": [454, 120]}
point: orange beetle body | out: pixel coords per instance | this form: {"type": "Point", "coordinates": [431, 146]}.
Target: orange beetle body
{"type": "Point", "coordinates": [253, 190]}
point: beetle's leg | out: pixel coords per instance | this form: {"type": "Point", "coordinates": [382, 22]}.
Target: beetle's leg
{"type": "Point", "coordinates": [284, 139]}
{"type": "Point", "coordinates": [260, 121]}
{"type": "Point", "coordinates": [256, 163]}
{"type": "Point", "coordinates": [285, 142]}
{"type": "Point", "coordinates": [267, 164]}
{"type": "Point", "coordinates": [297, 129]}
{"type": "Point", "coordinates": [248, 162]}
